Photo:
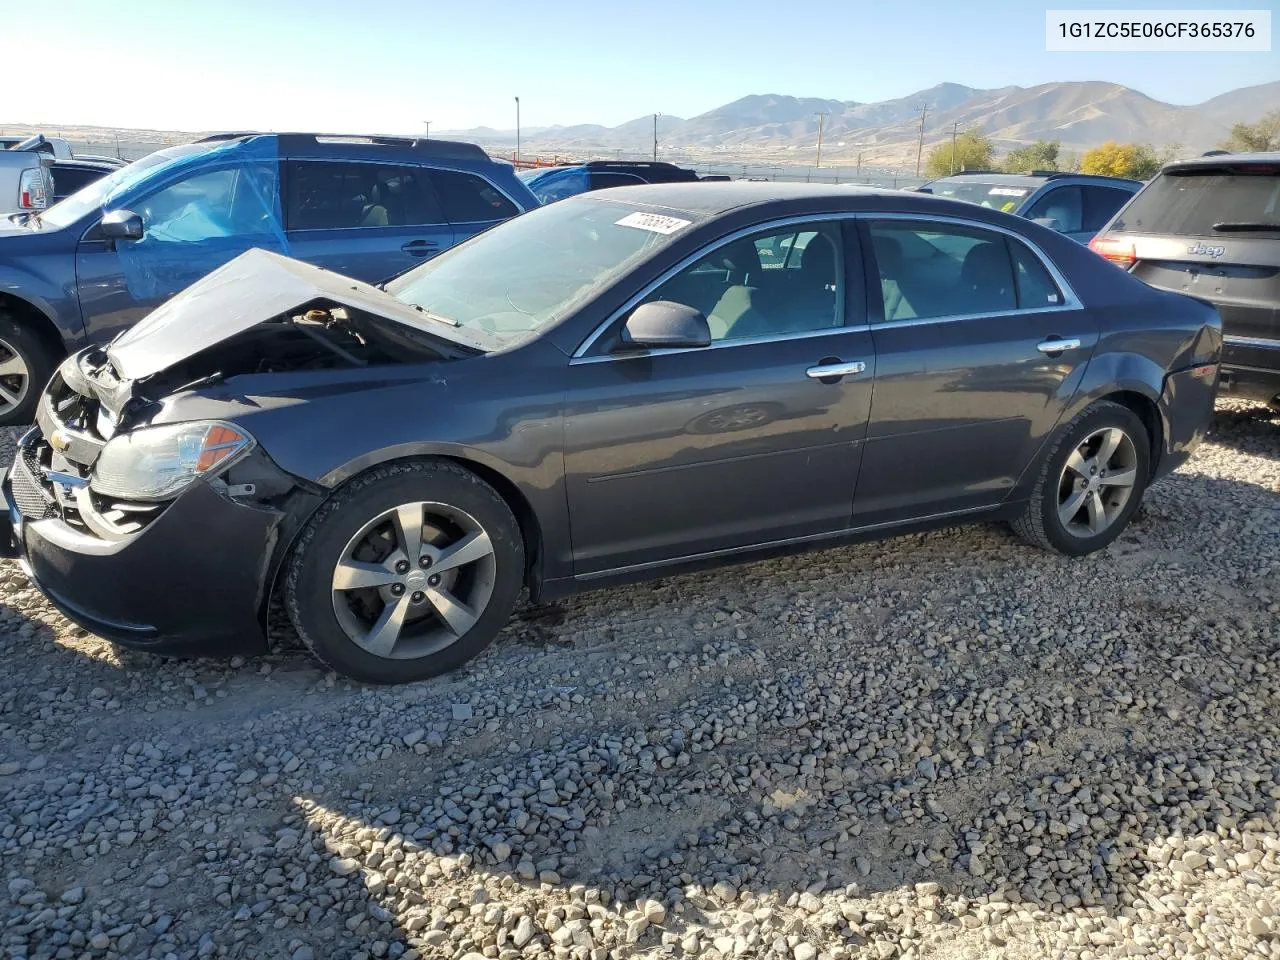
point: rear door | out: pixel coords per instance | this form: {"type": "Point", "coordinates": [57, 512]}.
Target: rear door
{"type": "Point", "coordinates": [1214, 232]}
{"type": "Point", "coordinates": [470, 203]}
{"type": "Point", "coordinates": [979, 346]}
{"type": "Point", "coordinates": [363, 219]}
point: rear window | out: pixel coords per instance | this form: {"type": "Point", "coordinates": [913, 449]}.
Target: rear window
{"type": "Point", "coordinates": [1214, 202]}
{"type": "Point", "coordinates": [995, 196]}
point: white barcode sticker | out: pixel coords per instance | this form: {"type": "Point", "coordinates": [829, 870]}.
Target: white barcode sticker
{"type": "Point", "coordinates": [654, 222]}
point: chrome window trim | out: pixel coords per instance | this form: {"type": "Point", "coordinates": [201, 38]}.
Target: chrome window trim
{"type": "Point", "coordinates": [520, 208]}
{"type": "Point", "coordinates": [1070, 300]}
{"type": "Point", "coordinates": [1266, 343]}
{"type": "Point", "coordinates": [633, 301]}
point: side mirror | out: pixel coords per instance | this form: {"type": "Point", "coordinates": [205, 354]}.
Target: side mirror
{"type": "Point", "coordinates": [121, 225]}
{"type": "Point", "coordinates": [1050, 222]}
{"type": "Point", "coordinates": [662, 324]}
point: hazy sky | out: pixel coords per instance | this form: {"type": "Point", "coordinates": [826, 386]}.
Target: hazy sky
{"type": "Point", "coordinates": [387, 65]}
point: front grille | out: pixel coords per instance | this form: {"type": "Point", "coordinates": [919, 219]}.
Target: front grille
{"type": "Point", "coordinates": [28, 488]}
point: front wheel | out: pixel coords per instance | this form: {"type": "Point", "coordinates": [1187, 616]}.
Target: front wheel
{"type": "Point", "coordinates": [26, 364]}
{"type": "Point", "coordinates": [1090, 482]}
{"type": "Point", "coordinates": [408, 572]}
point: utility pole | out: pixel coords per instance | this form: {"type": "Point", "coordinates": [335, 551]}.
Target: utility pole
{"type": "Point", "coordinates": [655, 136]}
{"type": "Point", "coordinates": [517, 131]}
{"type": "Point", "coordinates": [955, 126]}
{"type": "Point", "coordinates": [858, 175]}
{"type": "Point", "coordinates": [426, 133]}
{"type": "Point", "coordinates": [822, 116]}
{"type": "Point", "coordinates": [924, 111]}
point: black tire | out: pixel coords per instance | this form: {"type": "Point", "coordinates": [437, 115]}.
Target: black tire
{"type": "Point", "coordinates": [308, 588]}
{"type": "Point", "coordinates": [1040, 523]}
{"type": "Point", "coordinates": [40, 360]}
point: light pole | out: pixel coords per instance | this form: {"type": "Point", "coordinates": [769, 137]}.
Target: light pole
{"type": "Point", "coordinates": [426, 135]}
{"type": "Point", "coordinates": [655, 136]}
{"type": "Point", "coordinates": [822, 116]}
{"type": "Point", "coordinates": [517, 130]}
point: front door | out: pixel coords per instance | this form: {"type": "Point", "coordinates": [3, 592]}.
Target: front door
{"type": "Point", "coordinates": [752, 440]}
{"type": "Point", "coordinates": [192, 226]}
{"type": "Point", "coordinates": [978, 350]}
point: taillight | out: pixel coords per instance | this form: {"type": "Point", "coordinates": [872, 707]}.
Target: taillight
{"type": "Point", "coordinates": [1117, 251]}
{"type": "Point", "coordinates": [32, 189]}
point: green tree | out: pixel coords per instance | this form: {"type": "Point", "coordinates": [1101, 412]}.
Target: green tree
{"type": "Point", "coordinates": [1041, 155]}
{"type": "Point", "coordinates": [972, 151]}
{"type": "Point", "coordinates": [1256, 137]}
{"type": "Point", "coordinates": [1136, 160]}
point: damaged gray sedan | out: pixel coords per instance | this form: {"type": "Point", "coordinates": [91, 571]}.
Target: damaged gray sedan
{"type": "Point", "coordinates": [606, 388]}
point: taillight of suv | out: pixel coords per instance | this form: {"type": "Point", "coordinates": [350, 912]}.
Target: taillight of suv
{"type": "Point", "coordinates": [1117, 251]}
{"type": "Point", "coordinates": [33, 189]}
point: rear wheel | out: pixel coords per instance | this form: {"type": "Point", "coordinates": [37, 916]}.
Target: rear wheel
{"type": "Point", "coordinates": [1090, 482]}
{"type": "Point", "coordinates": [26, 363]}
{"type": "Point", "coordinates": [408, 572]}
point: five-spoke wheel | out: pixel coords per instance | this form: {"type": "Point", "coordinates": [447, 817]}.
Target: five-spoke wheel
{"type": "Point", "coordinates": [407, 572]}
{"type": "Point", "coordinates": [1090, 481]}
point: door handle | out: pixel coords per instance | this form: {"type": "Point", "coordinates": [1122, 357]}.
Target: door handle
{"type": "Point", "coordinates": [1058, 345]}
{"type": "Point", "coordinates": [824, 371]}
{"type": "Point", "coordinates": [419, 248]}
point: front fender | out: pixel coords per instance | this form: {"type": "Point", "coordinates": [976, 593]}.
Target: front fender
{"type": "Point", "coordinates": [61, 307]}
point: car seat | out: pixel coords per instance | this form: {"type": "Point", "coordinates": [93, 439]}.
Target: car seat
{"type": "Point", "coordinates": [986, 279]}
{"type": "Point", "coordinates": [890, 261]}
{"type": "Point", "coordinates": [374, 213]}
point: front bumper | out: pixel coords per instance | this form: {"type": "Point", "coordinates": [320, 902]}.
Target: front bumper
{"type": "Point", "coordinates": [193, 583]}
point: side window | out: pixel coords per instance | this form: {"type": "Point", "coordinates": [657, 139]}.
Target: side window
{"type": "Point", "coordinates": [1101, 204]}
{"type": "Point", "coordinates": [466, 198]}
{"type": "Point", "coordinates": [1035, 286]}
{"type": "Point", "coordinates": [332, 195]}
{"type": "Point", "coordinates": [940, 270]}
{"type": "Point", "coordinates": [784, 251]}
{"type": "Point", "coordinates": [1063, 204]}
{"type": "Point", "coordinates": [742, 298]}
{"type": "Point", "coordinates": [200, 207]}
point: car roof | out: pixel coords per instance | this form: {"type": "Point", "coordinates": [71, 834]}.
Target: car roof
{"type": "Point", "coordinates": [708, 200]}
{"type": "Point", "coordinates": [1037, 177]}
{"type": "Point", "coordinates": [1225, 159]}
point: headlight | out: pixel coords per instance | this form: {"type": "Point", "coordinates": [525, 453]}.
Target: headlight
{"type": "Point", "coordinates": [154, 463]}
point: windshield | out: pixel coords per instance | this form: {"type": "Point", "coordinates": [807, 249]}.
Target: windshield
{"type": "Point", "coordinates": [1207, 202]}
{"type": "Point", "coordinates": [90, 198]}
{"type": "Point", "coordinates": [557, 183]}
{"type": "Point", "coordinates": [997, 196]}
{"type": "Point", "coordinates": [534, 270]}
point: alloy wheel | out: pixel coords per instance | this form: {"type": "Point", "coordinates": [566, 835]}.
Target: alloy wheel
{"type": "Point", "coordinates": [15, 379]}
{"type": "Point", "coordinates": [413, 580]}
{"type": "Point", "coordinates": [1097, 482]}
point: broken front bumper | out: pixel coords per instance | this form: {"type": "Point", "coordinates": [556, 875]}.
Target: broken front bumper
{"type": "Point", "coordinates": [192, 583]}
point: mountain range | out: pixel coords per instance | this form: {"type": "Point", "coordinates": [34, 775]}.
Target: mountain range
{"type": "Point", "coordinates": [1080, 114]}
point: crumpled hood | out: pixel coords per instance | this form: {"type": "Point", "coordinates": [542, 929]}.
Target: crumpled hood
{"type": "Point", "coordinates": [255, 287]}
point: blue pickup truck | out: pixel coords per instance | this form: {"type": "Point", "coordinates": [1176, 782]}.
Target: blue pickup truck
{"type": "Point", "coordinates": [96, 263]}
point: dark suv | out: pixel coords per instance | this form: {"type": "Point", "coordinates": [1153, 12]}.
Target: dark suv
{"type": "Point", "coordinates": [1075, 204]}
{"type": "Point", "coordinates": [96, 263]}
{"type": "Point", "coordinates": [555, 183]}
{"type": "Point", "coordinates": [1210, 227]}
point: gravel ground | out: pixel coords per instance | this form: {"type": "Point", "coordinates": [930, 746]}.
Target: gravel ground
{"type": "Point", "coordinates": [943, 746]}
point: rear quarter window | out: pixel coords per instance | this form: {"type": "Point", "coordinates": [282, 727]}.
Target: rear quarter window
{"type": "Point", "coordinates": [1206, 203]}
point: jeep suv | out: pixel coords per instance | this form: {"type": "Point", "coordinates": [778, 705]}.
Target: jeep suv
{"type": "Point", "coordinates": [367, 207]}
{"type": "Point", "coordinates": [1210, 227]}
{"type": "Point", "coordinates": [555, 183]}
{"type": "Point", "coordinates": [1076, 204]}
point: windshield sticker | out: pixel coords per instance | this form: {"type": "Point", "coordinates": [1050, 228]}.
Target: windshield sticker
{"type": "Point", "coordinates": [654, 222]}
{"type": "Point", "coordinates": [1008, 192]}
